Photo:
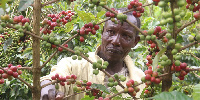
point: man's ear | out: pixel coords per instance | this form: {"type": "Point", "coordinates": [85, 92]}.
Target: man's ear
{"type": "Point", "coordinates": [137, 39]}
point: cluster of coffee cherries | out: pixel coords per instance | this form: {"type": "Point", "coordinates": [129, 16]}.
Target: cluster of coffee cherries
{"type": "Point", "coordinates": [9, 71]}
{"type": "Point", "coordinates": [82, 86]}
{"type": "Point", "coordinates": [191, 38]}
{"type": "Point", "coordinates": [79, 51]}
{"type": "Point", "coordinates": [193, 5]}
{"type": "Point", "coordinates": [86, 86]}
{"type": "Point", "coordinates": [70, 79]}
{"type": "Point", "coordinates": [56, 20]}
{"type": "Point", "coordinates": [97, 2]}
{"type": "Point", "coordinates": [131, 88]}
{"type": "Point", "coordinates": [137, 6]}
{"type": "Point", "coordinates": [110, 14]}
{"type": "Point", "coordinates": [112, 82]}
{"type": "Point", "coordinates": [150, 61]}
{"type": "Point", "coordinates": [96, 93]}
{"type": "Point", "coordinates": [151, 77]}
{"type": "Point", "coordinates": [88, 28]}
{"type": "Point", "coordinates": [164, 3]}
{"type": "Point", "coordinates": [99, 65]}
{"type": "Point", "coordinates": [119, 16]}
{"type": "Point", "coordinates": [180, 69]}
{"type": "Point", "coordinates": [156, 2]}
{"type": "Point", "coordinates": [51, 41]}
{"type": "Point", "coordinates": [19, 23]}
{"type": "Point", "coordinates": [197, 15]}
{"type": "Point", "coordinates": [101, 98]}
{"type": "Point", "coordinates": [167, 18]}
{"type": "Point", "coordinates": [152, 34]}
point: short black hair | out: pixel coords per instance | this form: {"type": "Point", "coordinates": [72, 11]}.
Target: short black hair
{"type": "Point", "coordinates": [130, 14]}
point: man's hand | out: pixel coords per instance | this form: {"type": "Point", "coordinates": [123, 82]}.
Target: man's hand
{"type": "Point", "coordinates": [49, 92]}
{"type": "Point", "coordinates": [52, 95]}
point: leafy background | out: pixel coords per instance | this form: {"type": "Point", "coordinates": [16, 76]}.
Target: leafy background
{"type": "Point", "coordinates": [21, 53]}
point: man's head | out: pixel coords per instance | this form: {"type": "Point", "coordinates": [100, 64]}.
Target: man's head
{"type": "Point", "coordinates": [118, 39]}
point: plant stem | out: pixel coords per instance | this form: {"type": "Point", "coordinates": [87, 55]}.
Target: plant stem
{"type": "Point", "coordinates": [173, 16]}
{"type": "Point", "coordinates": [50, 2]}
{"type": "Point", "coordinates": [193, 55]}
{"type": "Point", "coordinates": [57, 50]}
{"type": "Point", "coordinates": [26, 68]}
{"type": "Point", "coordinates": [72, 95]}
{"type": "Point", "coordinates": [184, 26]}
{"type": "Point", "coordinates": [191, 44]}
{"type": "Point", "coordinates": [162, 34]}
{"type": "Point", "coordinates": [36, 90]}
{"type": "Point", "coordinates": [103, 21]}
{"type": "Point", "coordinates": [116, 94]}
{"type": "Point", "coordinates": [55, 81]}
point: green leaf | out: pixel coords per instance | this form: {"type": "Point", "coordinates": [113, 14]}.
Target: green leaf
{"type": "Point", "coordinates": [27, 50]}
{"type": "Point", "coordinates": [101, 13]}
{"type": "Point", "coordinates": [159, 43]}
{"type": "Point", "coordinates": [88, 98]}
{"type": "Point", "coordinates": [85, 16]}
{"type": "Point", "coordinates": [140, 49]}
{"type": "Point", "coordinates": [188, 15]}
{"type": "Point", "coordinates": [196, 92]}
{"type": "Point", "coordinates": [179, 39]}
{"type": "Point", "coordinates": [100, 87]}
{"type": "Point", "coordinates": [172, 88]}
{"type": "Point", "coordinates": [70, 25]}
{"type": "Point", "coordinates": [49, 7]}
{"type": "Point", "coordinates": [174, 95]}
{"type": "Point", "coordinates": [7, 43]}
{"type": "Point", "coordinates": [157, 57]}
{"type": "Point", "coordinates": [3, 4]}
{"type": "Point", "coordinates": [147, 20]}
{"type": "Point", "coordinates": [153, 24]}
{"type": "Point", "coordinates": [158, 12]}
{"type": "Point", "coordinates": [75, 8]}
{"type": "Point", "coordinates": [24, 4]}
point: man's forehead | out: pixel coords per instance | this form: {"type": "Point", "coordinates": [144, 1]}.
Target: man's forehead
{"type": "Point", "coordinates": [125, 25]}
{"type": "Point", "coordinates": [131, 18]}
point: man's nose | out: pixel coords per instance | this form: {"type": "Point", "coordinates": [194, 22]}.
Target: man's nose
{"type": "Point", "coordinates": [116, 40]}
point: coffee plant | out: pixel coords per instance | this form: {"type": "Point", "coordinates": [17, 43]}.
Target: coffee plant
{"type": "Point", "coordinates": [34, 34]}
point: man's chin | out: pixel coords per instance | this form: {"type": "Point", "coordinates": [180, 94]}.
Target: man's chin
{"type": "Point", "coordinates": [113, 56]}
{"type": "Point", "coordinates": [113, 53]}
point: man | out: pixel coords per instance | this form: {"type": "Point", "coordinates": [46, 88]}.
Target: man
{"type": "Point", "coordinates": [117, 41]}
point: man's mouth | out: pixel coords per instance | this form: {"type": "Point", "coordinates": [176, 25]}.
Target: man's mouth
{"type": "Point", "coordinates": [114, 51]}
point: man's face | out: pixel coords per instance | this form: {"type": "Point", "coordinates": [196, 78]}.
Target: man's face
{"type": "Point", "coordinates": [118, 39]}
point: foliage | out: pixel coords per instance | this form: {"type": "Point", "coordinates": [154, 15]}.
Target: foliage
{"type": "Point", "coordinates": [16, 52]}
{"type": "Point", "coordinates": [174, 95]}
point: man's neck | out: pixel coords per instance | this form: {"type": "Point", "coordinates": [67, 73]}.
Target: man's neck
{"type": "Point", "coordinates": [114, 66]}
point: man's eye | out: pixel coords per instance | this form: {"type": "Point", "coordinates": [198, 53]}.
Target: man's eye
{"type": "Point", "coordinates": [126, 36]}
{"type": "Point", "coordinates": [111, 32]}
